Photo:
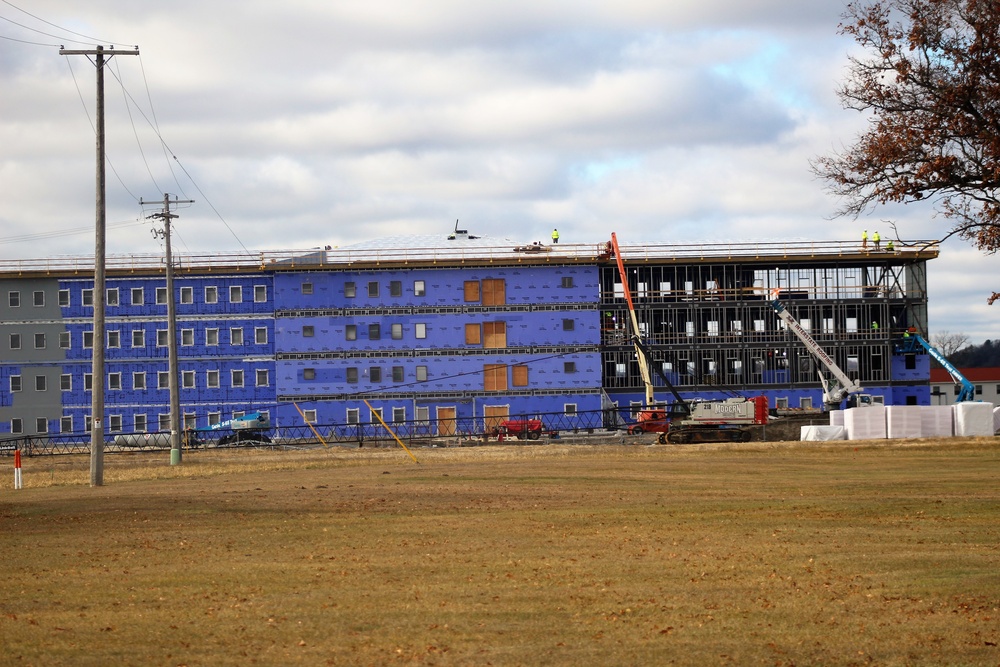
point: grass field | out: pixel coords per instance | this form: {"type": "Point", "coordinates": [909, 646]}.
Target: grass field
{"type": "Point", "coordinates": [777, 554]}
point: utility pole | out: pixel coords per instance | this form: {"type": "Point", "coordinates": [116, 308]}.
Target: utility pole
{"type": "Point", "coordinates": [97, 370]}
{"type": "Point", "coordinates": [174, 371]}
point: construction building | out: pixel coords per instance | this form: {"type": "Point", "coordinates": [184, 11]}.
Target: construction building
{"type": "Point", "coordinates": [427, 331]}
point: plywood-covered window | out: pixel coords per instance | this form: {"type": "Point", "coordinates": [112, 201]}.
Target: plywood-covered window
{"type": "Point", "coordinates": [519, 376]}
{"type": "Point", "coordinates": [495, 377]}
{"type": "Point", "coordinates": [494, 292]}
{"type": "Point", "coordinates": [471, 290]}
{"type": "Point", "coordinates": [473, 334]}
{"type": "Point", "coordinates": [494, 335]}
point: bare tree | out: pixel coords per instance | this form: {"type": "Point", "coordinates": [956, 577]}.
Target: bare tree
{"type": "Point", "coordinates": [948, 343]}
{"type": "Point", "coordinates": [931, 81]}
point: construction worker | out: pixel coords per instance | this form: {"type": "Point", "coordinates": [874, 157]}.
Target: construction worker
{"type": "Point", "coordinates": [876, 239]}
{"type": "Point", "coordinates": [890, 246]}
{"type": "Point", "coordinates": [864, 240]}
{"type": "Point", "coordinates": [874, 326]}
{"type": "Point", "coordinates": [555, 236]}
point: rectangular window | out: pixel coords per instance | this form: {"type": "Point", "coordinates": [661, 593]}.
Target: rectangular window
{"type": "Point", "coordinates": [212, 337]}
{"type": "Point", "coordinates": [421, 373]}
{"type": "Point", "coordinates": [112, 296]}
{"type": "Point", "coordinates": [64, 340]}
{"type": "Point", "coordinates": [66, 425]}
{"type": "Point", "coordinates": [494, 335]}
{"type": "Point", "coordinates": [15, 425]}
{"type": "Point", "coordinates": [397, 331]}
{"type": "Point", "coordinates": [352, 375]}
{"type": "Point", "coordinates": [190, 420]}
{"type": "Point", "coordinates": [138, 297]}
{"type": "Point", "coordinates": [420, 330]}
{"type": "Point", "coordinates": [569, 409]}
{"type": "Point", "coordinates": [519, 376]}
{"type": "Point", "coordinates": [14, 299]}
{"type": "Point", "coordinates": [38, 299]}
{"type": "Point", "coordinates": [139, 423]}
{"type": "Point", "coordinates": [88, 381]}
{"type": "Point", "coordinates": [308, 331]}
{"type": "Point", "coordinates": [308, 373]}
{"type": "Point", "coordinates": [162, 338]}
{"type": "Point", "coordinates": [235, 294]}
{"type": "Point", "coordinates": [211, 294]}
{"type": "Point", "coordinates": [351, 332]}
{"type": "Point", "coordinates": [260, 335]}
{"type": "Point", "coordinates": [373, 289]}
{"type": "Point", "coordinates": [114, 423]}
{"type": "Point", "coordinates": [395, 288]}
{"type": "Point", "coordinates": [187, 379]}
{"type": "Point", "coordinates": [569, 325]}
{"type": "Point", "coordinates": [374, 331]}
{"type": "Point", "coordinates": [398, 415]}
{"type": "Point", "coordinates": [88, 340]}
{"type": "Point", "coordinates": [39, 341]}
{"type": "Point", "coordinates": [495, 377]}
{"type": "Point", "coordinates": [236, 377]}
{"type": "Point", "coordinates": [262, 377]}
{"type": "Point", "coordinates": [114, 339]}
{"type": "Point", "coordinates": [494, 292]}
{"type": "Point", "coordinates": [473, 334]}
{"type": "Point", "coordinates": [309, 416]}
{"type": "Point", "coordinates": [187, 295]}
{"type": "Point", "coordinates": [163, 422]}
{"type": "Point", "coordinates": [418, 288]}
{"type": "Point", "coordinates": [15, 341]}
{"type": "Point", "coordinates": [214, 418]}
{"type": "Point", "coordinates": [138, 338]}
{"type": "Point", "coordinates": [569, 367]}
{"type": "Point", "coordinates": [162, 379]}
{"type": "Point", "coordinates": [15, 383]}
{"type": "Point", "coordinates": [87, 297]}
{"type": "Point", "coordinates": [350, 290]}
{"type": "Point", "coordinates": [41, 425]}
{"type": "Point", "coordinates": [66, 382]}
{"type": "Point", "coordinates": [236, 336]}
{"type": "Point", "coordinates": [212, 379]}
{"type": "Point", "coordinates": [375, 374]}
{"type": "Point", "coordinates": [64, 298]}
{"type": "Point", "coordinates": [353, 415]}
{"type": "Point", "coordinates": [567, 282]}
{"type": "Point", "coordinates": [398, 374]}
{"type": "Point", "coordinates": [139, 380]}
{"type": "Point", "coordinates": [471, 291]}
{"type": "Point", "coordinates": [161, 296]}
{"type": "Point", "coordinates": [187, 337]}
{"type": "Point", "coordinates": [40, 384]}
{"type": "Point", "coordinates": [307, 288]}
{"type": "Point", "coordinates": [260, 293]}
{"type": "Point", "coordinates": [114, 381]}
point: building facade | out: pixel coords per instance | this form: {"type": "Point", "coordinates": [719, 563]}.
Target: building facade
{"type": "Point", "coordinates": [430, 331]}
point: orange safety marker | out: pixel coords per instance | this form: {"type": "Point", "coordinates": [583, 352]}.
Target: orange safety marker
{"type": "Point", "coordinates": [17, 469]}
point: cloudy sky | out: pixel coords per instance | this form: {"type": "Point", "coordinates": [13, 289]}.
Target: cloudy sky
{"type": "Point", "coordinates": [329, 122]}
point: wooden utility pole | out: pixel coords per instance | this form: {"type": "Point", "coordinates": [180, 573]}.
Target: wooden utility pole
{"type": "Point", "coordinates": [174, 371]}
{"type": "Point", "coordinates": [97, 375]}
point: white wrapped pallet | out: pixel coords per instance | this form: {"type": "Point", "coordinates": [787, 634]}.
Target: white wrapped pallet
{"type": "Point", "coordinates": [903, 421]}
{"type": "Point", "coordinates": [996, 419]}
{"type": "Point", "coordinates": [937, 421]}
{"type": "Point", "coordinates": [973, 418]}
{"type": "Point", "coordinates": [823, 433]}
{"type": "Point", "coordinates": [836, 417]}
{"type": "Point", "coordinates": [866, 423]}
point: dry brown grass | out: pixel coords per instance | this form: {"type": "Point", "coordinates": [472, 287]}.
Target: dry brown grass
{"type": "Point", "coordinates": [803, 553]}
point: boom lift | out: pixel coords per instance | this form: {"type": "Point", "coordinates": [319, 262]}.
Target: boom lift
{"type": "Point", "coordinates": [836, 388]}
{"type": "Point", "coordinates": [683, 421]}
{"type": "Point", "coordinates": [967, 391]}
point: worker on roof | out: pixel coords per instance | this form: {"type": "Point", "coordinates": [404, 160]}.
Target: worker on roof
{"type": "Point", "coordinates": [890, 246]}
{"type": "Point", "coordinates": [555, 236]}
{"type": "Point", "coordinates": [876, 239]}
{"type": "Point", "coordinates": [864, 240]}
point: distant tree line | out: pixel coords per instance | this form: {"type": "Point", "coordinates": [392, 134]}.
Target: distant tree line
{"type": "Point", "coordinates": [977, 356]}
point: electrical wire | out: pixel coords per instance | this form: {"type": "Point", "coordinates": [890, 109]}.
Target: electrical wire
{"type": "Point", "coordinates": [59, 27]}
{"type": "Point", "coordinates": [65, 232]}
{"type": "Point", "coordinates": [24, 41]}
{"type": "Point", "coordinates": [156, 128]}
{"type": "Point", "coordinates": [135, 132]}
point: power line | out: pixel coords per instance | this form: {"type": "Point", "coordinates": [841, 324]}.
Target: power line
{"type": "Point", "coordinates": [59, 27]}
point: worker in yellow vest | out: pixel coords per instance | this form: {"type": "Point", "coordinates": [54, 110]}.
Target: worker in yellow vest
{"type": "Point", "coordinates": [555, 236]}
{"type": "Point", "coordinates": [876, 239]}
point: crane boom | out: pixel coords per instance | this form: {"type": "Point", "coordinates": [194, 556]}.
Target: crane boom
{"type": "Point", "coordinates": [968, 390]}
{"type": "Point", "coordinates": [833, 391]}
{"type": "Point", "coordinates": [640, 352]}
